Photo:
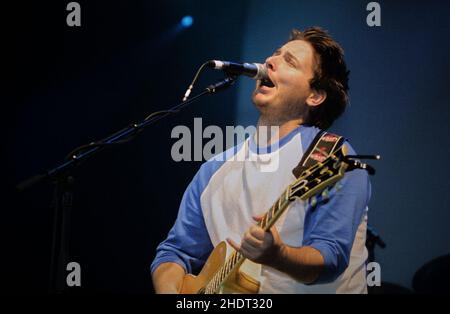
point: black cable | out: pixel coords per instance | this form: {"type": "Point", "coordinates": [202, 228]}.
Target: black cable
{"type": "Point", "coordinates": [188, 91]}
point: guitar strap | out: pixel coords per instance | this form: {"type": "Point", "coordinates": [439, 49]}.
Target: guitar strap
{"type": "Point", "coordinates": [323, 145]}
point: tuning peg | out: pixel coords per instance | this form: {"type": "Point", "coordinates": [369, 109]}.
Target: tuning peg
{"type": "Point", "coordinates": [313, 201]}
{"type": "Point", "coordinates": [326, 194]}
{"type": "Point", "coordinates": [356, 164]}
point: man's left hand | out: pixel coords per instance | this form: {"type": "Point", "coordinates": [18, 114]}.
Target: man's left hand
{"type": "Point", "coordinates": [258, 245]}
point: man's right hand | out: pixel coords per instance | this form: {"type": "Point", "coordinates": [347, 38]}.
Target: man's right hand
{"type": "Point", "coordinates": [168, 278]}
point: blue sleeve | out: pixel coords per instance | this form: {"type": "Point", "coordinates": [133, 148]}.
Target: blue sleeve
{"type": "Point", "coordinates": [188, 243]}
{"type": "Point", "coordinates": [331, 224]}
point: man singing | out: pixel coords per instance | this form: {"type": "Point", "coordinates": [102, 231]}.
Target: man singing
{"type": "Point", "coordinates": [312, 248]}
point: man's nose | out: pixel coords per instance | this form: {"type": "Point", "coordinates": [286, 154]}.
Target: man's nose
{"type": "Point", "coordinates": [270, 63]}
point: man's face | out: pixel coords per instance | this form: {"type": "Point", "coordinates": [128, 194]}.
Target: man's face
{"type": "Point", "coordinates": [290, 69]}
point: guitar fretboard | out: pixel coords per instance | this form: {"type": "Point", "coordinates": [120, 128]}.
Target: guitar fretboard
{"type": "Point", "coordinates": [236, 259]}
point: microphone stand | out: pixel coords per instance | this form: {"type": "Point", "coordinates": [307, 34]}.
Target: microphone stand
{"type": "Point", "coordinates": [63, 181]}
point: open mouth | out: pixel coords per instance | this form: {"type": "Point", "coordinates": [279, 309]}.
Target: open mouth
{"type": "Point", "coordinates": [267, 82]}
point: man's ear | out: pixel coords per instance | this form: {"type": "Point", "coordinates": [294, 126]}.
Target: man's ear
{"type": "Point", "coordinates": [316, 97]}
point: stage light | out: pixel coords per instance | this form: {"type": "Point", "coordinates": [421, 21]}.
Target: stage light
{"type": "Point", "coordinates": [187, 21]}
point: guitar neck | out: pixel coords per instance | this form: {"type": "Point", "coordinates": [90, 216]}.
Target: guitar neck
{"type": "Point", "coordinates": [277, 209]}
{"type": "Point", "coordinates": [236, 259]}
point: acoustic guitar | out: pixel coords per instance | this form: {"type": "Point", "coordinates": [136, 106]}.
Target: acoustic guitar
{"type": "Point", "coordinates": [221, 274]}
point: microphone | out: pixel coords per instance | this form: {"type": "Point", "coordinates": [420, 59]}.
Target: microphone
{"type": "Point", "coordinates": [256, 71]}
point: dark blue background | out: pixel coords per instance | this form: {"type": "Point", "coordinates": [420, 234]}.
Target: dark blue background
{"type": "Point", "coordinates": [69, 86]}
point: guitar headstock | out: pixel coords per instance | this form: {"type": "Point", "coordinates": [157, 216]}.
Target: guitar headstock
{"type": "Point", "coordinates": [328, 172]}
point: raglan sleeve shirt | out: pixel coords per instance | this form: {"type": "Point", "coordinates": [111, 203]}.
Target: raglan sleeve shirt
{"type": "Point", "coordinates": [330, 225]}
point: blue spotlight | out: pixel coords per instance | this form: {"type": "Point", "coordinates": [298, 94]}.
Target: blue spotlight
{"type": "Point", "coordinates": [187, 21]}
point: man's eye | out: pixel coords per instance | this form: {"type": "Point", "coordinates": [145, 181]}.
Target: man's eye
{"type": "Point", "coordinates": [290, 61]}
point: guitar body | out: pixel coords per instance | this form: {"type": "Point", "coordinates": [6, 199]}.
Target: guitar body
{"type": "Point", "coordinates": [238, 282]}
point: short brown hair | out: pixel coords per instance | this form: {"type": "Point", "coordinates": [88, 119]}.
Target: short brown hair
{"type": "Point", "coordinates": [330, 75]}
